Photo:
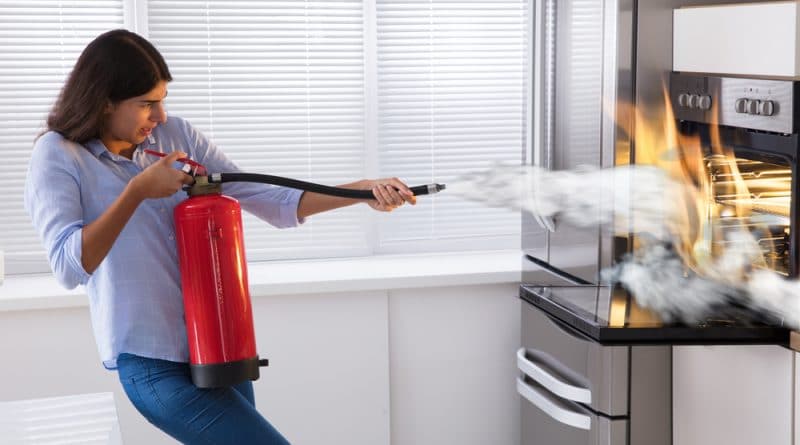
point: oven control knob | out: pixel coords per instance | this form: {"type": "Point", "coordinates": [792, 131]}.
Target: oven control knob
{"type": "Point", "coordinates": [705, 102]}
{"type": "Point", "coordinates": [752, 106]}
{"type": "Point", "coordinates": [767, 108]}
{"type": "Point", "coordinates": [683, 100]}
{"type": "Point", "coordinates": [741, 105]}
{"type": "Point", "coordinates": [694, 101]}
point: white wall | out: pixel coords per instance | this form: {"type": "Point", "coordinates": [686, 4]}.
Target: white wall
{"type": "Point", "coordinates": [423, 366]}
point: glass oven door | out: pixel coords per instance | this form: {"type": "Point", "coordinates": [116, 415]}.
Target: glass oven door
{"type": "Point", "coordinates": [752, 193]}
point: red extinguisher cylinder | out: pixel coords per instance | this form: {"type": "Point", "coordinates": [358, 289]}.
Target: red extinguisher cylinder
{"type": "Point", "coordinates": [218, 312]}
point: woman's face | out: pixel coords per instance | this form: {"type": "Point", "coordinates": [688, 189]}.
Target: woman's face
{"type": "Point", "coordinates": [129, 122]}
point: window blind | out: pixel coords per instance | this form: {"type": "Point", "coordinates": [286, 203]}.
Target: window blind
{"type": "Point", "coordinates": [39, 44]}
{"type": "Point", "coordinates": [86, 419]}
{"type": "Point", "coordinates": [279, 87]}
{"type": "Point", "coordinates": [451, 99]}
{"type": "Point", "coordinates": [325, 91]}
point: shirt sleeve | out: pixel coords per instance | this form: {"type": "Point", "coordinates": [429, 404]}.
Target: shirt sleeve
{"type": "Point", "coordinates": [53, 202]}
{"type": "Point", "coordinates": [273, 204]}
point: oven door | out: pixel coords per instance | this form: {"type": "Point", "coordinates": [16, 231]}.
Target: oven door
{"type": "Point", "coordinates": [548, 419]}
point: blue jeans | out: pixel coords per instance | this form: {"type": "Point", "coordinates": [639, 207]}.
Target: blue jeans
{"type": "Point", "coordinates": [163, 392]}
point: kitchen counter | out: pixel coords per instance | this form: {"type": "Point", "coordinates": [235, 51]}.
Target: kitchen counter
{"type": "Point", "coordinates": [609, 315]}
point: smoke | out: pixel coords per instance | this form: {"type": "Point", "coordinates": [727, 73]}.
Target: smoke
{"type": "Point", "coordinates": [628, 198]}
{"type": "Point", "coordinates": [673, 271]}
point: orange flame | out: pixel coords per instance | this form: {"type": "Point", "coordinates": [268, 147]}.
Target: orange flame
{"type": "Point", "coordinates": [714, 183]}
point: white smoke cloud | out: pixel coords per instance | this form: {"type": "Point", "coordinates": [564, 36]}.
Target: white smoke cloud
{"type": "Point", "coordinates": [628, 198]}
{"type": "Point", "coordinates": [645, 201]}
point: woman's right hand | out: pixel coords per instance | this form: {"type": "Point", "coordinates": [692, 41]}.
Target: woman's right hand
{"type": "Point", "coordinates": [161, 179]}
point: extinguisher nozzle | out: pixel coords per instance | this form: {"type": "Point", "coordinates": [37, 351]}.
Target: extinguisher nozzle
{"type": "Point", "coordinates": [263, 362]}
{"type": "Point", "coordinates": [428, 189]}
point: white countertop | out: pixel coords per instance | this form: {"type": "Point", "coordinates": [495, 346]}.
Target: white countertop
{"type": "Point", "coordinates": [28, 292]}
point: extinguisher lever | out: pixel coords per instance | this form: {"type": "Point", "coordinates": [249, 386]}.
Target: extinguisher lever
{"type": "Point", "coordinates": [263, 362]}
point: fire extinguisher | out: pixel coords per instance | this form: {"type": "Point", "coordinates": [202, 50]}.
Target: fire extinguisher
{"type": "Point", "coordinates": [216, 296]}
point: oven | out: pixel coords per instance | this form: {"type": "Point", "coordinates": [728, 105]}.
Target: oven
{"type": "Point", "coordinates": [580, 346]}
{"type": "Point", "coordinates": [750, 143]}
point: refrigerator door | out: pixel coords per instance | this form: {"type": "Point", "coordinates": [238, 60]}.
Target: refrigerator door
{"type": "Point", "coordinates": [548, 420]}
{"type": "Point", "coordinates": [581, 65]}
{"type": "Point", "coordinates": [573, 367]}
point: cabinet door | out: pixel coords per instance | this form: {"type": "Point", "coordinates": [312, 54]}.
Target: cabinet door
{"type": "Point", "coordinates": [451, 368]}
{"type": "Point", "coordinates": [736, 395]}
{"type": "Point", "coordinates": [328, 376]}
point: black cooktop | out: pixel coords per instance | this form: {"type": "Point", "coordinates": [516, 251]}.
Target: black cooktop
{"type": "Point", "coordinates": [610, 315]}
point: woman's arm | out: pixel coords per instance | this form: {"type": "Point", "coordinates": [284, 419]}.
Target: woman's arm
{"type": "Point", "coordinates": [156, 181]}
{"type": "Point", "coordinates": [389, 193]}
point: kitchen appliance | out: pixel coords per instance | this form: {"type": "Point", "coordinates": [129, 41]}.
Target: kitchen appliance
{"type": "Point", "coordinates": [756, 119]}
{"type": "Point", "coordinates": [574, 389]}
{"type": "Point", "coordinates": [595, 369]}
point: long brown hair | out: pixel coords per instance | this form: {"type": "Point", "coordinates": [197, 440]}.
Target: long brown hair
{"type": "Point", "coordinates": [115, 66]}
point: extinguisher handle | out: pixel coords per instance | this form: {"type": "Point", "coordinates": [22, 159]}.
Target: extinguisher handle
{"type": "Point", "coordinates": [263, 362]}
{"type": "Point", "coordinates": [196, 168]}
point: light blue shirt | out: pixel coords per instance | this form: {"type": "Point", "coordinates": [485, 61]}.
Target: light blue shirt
{"type": "Point", "coordinates": [135, 294]}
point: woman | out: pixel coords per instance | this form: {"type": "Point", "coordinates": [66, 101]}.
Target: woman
{"type": "Point", "coordinates": [103, 209]}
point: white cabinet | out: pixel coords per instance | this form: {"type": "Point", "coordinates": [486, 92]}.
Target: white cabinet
{"type": "Point", "coordinates": [328, 378]}
{"type": "Point", "coordinates": [733, 395]}
{"type": "Point", "coordinates": [453, 365]}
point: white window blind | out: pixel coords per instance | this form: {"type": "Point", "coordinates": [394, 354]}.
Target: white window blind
{"type": "Point", "coordinates": [279, 87]}
{"type": "Point", "coordinates": [451, 99]}
{"type": "Point", "coordinates": [86, 419]}
{"type": "Point", "coordinates": [325, 91]}
{"type": "Point", "coordinates": [39, 44]}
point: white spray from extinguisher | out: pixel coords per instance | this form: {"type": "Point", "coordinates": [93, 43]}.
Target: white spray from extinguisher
{"type": "Point", "coordinates": [645, 201]}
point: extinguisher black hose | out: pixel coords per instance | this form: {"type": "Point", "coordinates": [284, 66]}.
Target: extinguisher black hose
{"type": "Point", "coordinates": [219, 178]}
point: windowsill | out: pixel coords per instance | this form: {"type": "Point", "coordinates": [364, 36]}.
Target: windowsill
{"type": "Point", "coordinates": [31, 292]}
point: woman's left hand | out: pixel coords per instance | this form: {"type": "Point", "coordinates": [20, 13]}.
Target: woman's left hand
{"type": "Point", "coordinates": [389, 193]}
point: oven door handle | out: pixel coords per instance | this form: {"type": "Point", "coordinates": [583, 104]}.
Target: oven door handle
{"type": "Point", "coordinates": [543, 94]}
{"type": "Point", "coordinates": [547, 222]}
{"type": "Point", "coordinates": [550, 406]}
{"type": "Point", "coordinates": [536, 368]}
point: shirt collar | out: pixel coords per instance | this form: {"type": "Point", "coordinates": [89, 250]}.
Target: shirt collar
{"type": "Point", "coordinates": [97, 147]}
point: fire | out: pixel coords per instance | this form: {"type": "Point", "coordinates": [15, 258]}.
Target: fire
{"type": "Point", "coordinates": [721, 194]}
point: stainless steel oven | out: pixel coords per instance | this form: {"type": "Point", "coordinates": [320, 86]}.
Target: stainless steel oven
{"type": "Point", "coordinates": [590, 60]}
{"type": "Point", "coordinates": [747, 130]}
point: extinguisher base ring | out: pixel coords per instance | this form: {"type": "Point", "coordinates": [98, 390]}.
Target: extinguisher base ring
{"type": "Point", "coordinates": [219, 375]}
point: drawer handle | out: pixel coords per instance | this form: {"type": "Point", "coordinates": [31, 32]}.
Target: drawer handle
{"type": "Point", "coordinates": [552, 383]}
{"type": "Point", "coordinates": [551, 408]}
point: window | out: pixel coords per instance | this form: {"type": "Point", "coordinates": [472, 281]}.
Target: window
{"type": "Point", "coordinates": [278, 86]}
{"type": "Point", "coordinates": [324, 91]}
{"type": "Point", "coordinates": [451, 79]}
{"type": "Point", "coordinates": [39, 43]}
